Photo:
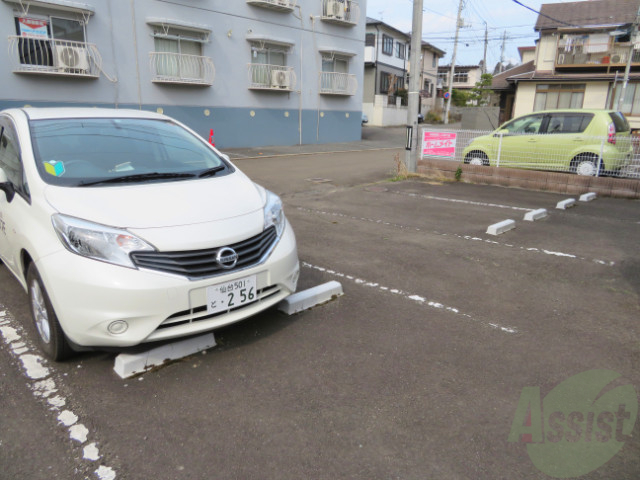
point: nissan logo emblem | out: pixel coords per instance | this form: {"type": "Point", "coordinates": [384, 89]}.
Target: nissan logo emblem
{"type": "Point", "coordinates": [227, 258]}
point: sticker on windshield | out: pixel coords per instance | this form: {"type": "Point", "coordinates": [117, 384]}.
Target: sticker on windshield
{"type": "Point", "coordinates": [54, 167]}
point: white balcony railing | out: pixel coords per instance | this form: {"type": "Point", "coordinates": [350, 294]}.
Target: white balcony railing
{"type": "Point", "coordinates": [181, 69]}
{"type": "Point", "coordinates": [54, 57]}
{"type": "Point", "coordinates": [271, 77]}
{"type": "Point", "coordinates": [279, 5]}
{"type": "Point", "coordinates": [333, 83]}
{"type": "Point", "coordinates": [602, 55]}
{"type": "Point", "coordinates": [343, 12]}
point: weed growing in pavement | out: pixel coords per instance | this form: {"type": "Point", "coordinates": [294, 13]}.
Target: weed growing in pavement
{"type": "Point", "coordinates": [458, 174]}
{"type": "Point", "coordinates": [401, 169]}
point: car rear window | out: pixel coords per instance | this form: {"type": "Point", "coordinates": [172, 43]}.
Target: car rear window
{"type": "Point", "coordinates": [569, 122]}
{"type": "Point", "coordinates": [620, 121]}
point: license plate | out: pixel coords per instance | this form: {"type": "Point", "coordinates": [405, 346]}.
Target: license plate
{"type": "Point", "coordinates": [232, 294]}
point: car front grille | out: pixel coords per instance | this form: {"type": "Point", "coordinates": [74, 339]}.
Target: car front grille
{"type": "Point", "coordinates": [202, 263]}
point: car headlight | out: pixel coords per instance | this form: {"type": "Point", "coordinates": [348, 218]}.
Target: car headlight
{"type": "Point", "coordinates": [99, 242]}
{"type": "Point", "coordinates": [273, 213]}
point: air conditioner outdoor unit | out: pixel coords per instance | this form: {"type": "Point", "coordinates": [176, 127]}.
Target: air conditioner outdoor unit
{"type": "Point", "coordinates": [280, 79]}
{"type": "Point", "coordinates": [72, 58]}
{"type": "Point", "coordinates": [336, 10]}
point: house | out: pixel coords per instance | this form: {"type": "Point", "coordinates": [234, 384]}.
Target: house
{"type": "Point", "coordinates": [386, 64]}
{"type": "Point", "coordinates": [255, 72]}
{"type": "Point", "coordinates": [580, 59]}
{"type": "Point", "coordinates": [430, 57]}
{"type": "Point", "coordinates": [465, 77]}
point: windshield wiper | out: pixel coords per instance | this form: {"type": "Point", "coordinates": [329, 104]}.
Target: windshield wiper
{"type": "Point", "coordinates": [212, 171]}
{"type": "Point", "coordinates": [139, 177]}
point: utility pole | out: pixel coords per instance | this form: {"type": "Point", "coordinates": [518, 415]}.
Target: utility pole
{"type": "Point", "coordinates": [627, 71]}
{"type": "Point", "coordinates": [486, 43]}
{"type": "Point", "coordinates": [504, 42]}
{"type": "Point", "coordinates": [411, 158]}
{"type": "Point", "coordinates": [453, 61]}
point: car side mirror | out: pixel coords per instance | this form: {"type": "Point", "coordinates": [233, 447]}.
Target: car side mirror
{"type": "Point", "coordinates": [225, 157]}
{"type": "Point", "coordinates": [6, 186]}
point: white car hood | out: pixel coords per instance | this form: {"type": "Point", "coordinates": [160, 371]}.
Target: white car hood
{"type": "Point", "coordinates": [160, 205]}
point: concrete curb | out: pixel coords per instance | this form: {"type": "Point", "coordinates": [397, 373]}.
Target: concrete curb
{"type": "Point", "coordinates": [564, 204]}
{"type": "Point", "coordinates": [534, 215]}
{"type": "Point", "coordinates": [588, 197]}
{"type": "Point", "coordinates": [126, 364]}
{"type": "Point", "coordinates": [311, 297]}
{"type": "Point", "coordinates": [501, 227]}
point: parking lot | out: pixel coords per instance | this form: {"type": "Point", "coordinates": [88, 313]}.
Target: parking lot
{"type": "Point", "coordinates": [415, 373]}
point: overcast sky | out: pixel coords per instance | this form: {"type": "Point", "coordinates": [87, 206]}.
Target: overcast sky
{"type": "Point", "coordinates": [440, 19]}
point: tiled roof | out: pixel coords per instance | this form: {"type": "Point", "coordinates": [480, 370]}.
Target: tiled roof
{"type": "Point", "coordinates": [501, 81]}
{"type": "Point", "coordinates": [589, 13]}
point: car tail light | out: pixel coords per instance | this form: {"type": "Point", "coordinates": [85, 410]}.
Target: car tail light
{"type": "Point", "coordinates": [612, 134]}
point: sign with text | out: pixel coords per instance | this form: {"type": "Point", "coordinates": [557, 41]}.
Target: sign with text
{"type": "Point", "coordinates": [439, 144]}
{"type": "Point", "coordinates": [34, 28]}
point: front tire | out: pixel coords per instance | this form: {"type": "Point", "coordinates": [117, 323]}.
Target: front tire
{"type": "Point", "coordinates": [51, 338]}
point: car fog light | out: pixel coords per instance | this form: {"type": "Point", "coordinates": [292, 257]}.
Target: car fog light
{"type": "Point", "coordinates": [118, 327]}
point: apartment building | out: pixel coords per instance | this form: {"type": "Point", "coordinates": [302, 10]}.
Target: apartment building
{"type": "Point", "coordinates": [255, 72]}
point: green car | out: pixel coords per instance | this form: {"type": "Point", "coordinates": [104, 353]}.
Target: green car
{"type": "Point", "coordinates": [586, 142]}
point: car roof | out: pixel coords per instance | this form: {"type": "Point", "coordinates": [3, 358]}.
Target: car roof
{"type": "Point", "coordinates": [50, 113]}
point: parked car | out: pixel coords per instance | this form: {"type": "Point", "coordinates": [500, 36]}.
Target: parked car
{"type": "Point", "coordinates": [126, 227]}
{"type": "Point", "coordinates": [365, 119]}
{"type": "Point", "coordinates": [568, 140]}
{"type": "Point", "coordinates": [420, 118]}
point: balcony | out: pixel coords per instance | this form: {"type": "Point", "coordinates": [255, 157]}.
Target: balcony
{"type": "Point", "coordinates": [341, 12]}
{"type": "Point", "coordinates": [48, 56]}
{"type": "Point", "coordinates": [596, 56]}
{"type": "Point", "coordinates": [278, 5]}
{"type": "Point", "coordinates": [181, 69]}
{"type": "Point", "coordinates": [276, 78]}
{"type": "Point", "coordinates": [333, 83]}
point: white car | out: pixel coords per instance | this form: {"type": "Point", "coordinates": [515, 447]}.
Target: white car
{"type": "Point", "coordinates": [126, 227]}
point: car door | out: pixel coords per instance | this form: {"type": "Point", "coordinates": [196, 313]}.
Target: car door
{"type": "Point", "coordinates": [11, 211]}
{"type": "Point", "coordinates": [563, 133]}
{"type": "Point", "coordinates": [520, 141]}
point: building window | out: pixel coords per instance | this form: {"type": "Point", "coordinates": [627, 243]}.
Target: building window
{"type": "Point", "coordinates": [442, 76]}
{"type": "Point", "coordinates": [268, 68]}
{"type": "Point", "coordinates": [399, 82]}
{"type": "Point", "coordinates": [176, 53]}
{"type": "Point", "coordinates": [370, 40]}
{"type": "Point", "coordinates": [550, 97]}
{"type": "Point", "coordinates": [460, 77]}
{"type": "Point", "coordinates": [335, 78]}
{"type": "Point", "coordinates": [434, 61]}
{"type": "Point", "coordinates": [400, 50]}
{"type": "Point", "coordinates": [41, 39]}
{"type": "Point", "coordinates": [384, 82]}
{"type": "Point", "coordinates": [387, 45]}
{"type": "Point", "coordinates": [631, 102]}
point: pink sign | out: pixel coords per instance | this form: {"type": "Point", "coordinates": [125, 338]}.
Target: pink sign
{"type": "Point", "coordinates": [439, 144]}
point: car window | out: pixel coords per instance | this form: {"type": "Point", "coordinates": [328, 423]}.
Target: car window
{"type": "Point", "coordinates": [525, 125]}
{"type": "Point", "coordinates": [620, 121]}
{"type": "Point", "coordinates": [568, 123]}
{"type": "Point", "coordinates": [74, 152]}
{"type": "Point", "coordinates": [10, 160]}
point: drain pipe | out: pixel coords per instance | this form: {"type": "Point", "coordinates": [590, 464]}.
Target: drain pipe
{"type": "Point", "coordinates": [301, 75]}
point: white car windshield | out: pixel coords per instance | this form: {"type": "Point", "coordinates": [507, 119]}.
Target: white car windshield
{"type": "Point", "coordinates": [111, 151]}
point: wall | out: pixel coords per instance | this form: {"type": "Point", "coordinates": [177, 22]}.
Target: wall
{"type": "Point", "coordinates": [546, 53]}
{"type": "Point", "coordinates": [120, 31]}
{"type": "Point", "coordinates": [382, 115]}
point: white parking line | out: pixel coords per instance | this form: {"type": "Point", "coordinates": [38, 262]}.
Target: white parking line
{"type": "Point", "coordinates": [43, 386]}
{"type": "Point", "coordinates": [458, 236]}
{"type": "Point", "coordinates": [408, 296]}
{"type": "Point", "coordinates": [466, 202]}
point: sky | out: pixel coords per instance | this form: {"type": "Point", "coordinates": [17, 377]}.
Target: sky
{"type": "Point", "coordinates": [439, 22]}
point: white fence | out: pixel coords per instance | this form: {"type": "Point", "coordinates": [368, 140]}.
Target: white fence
{"type": "Point", "coordinates": [613, 155]}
